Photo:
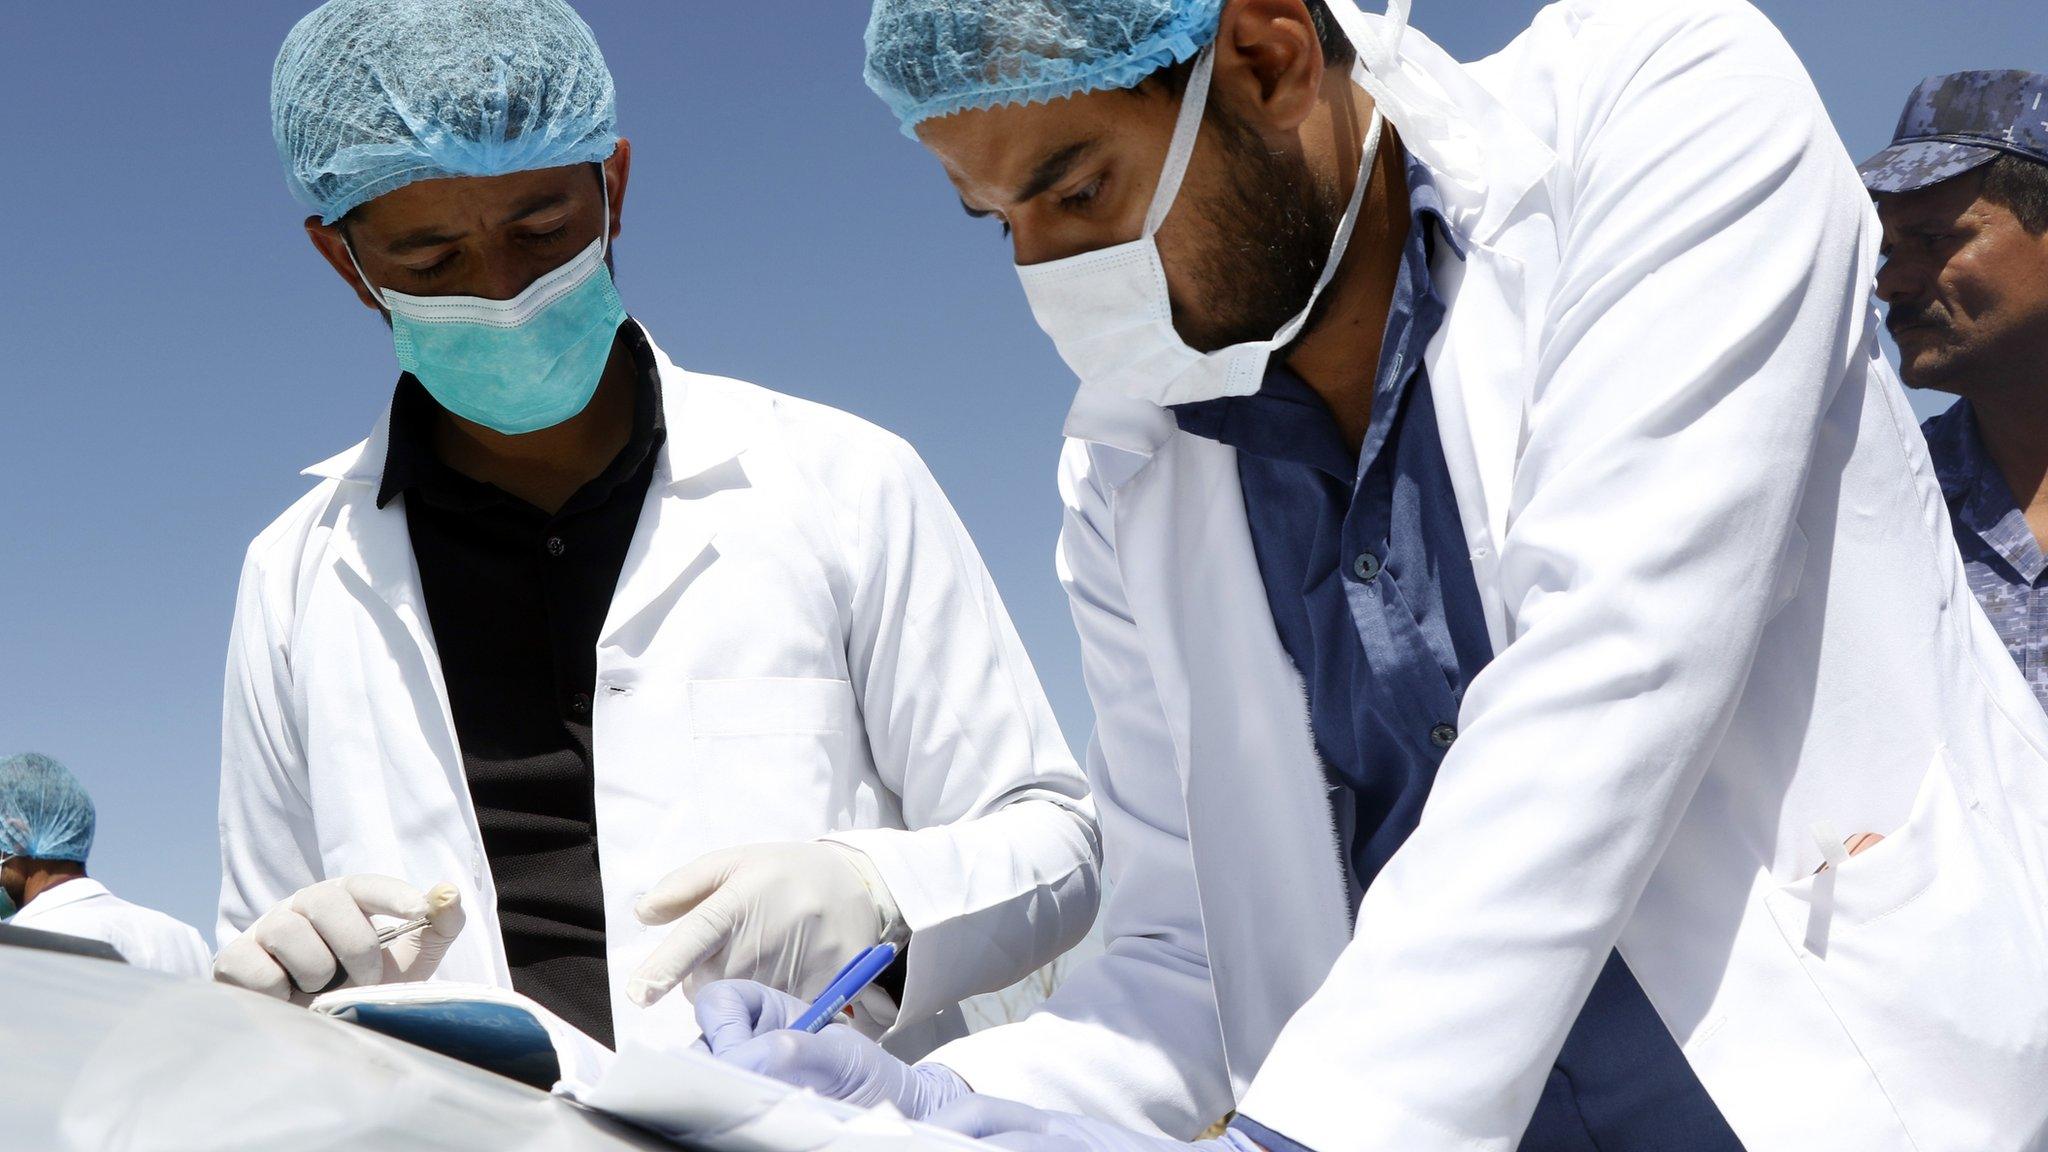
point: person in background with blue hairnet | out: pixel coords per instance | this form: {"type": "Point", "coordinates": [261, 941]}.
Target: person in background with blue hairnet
{"type": "Point", "coordinates": [670, 677]}
{"type": "Point", "coordinates": [1505, 568]}
{"type": "Point", "coordinates": [46, 827]}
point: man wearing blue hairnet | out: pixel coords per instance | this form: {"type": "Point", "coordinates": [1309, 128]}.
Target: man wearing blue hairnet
{"type": "Point", "coordinates": [46, 829]}
{"type": "Point", "coordinates": [1505, 568]}
{"type": "Point", "coordinates": [667, 676]}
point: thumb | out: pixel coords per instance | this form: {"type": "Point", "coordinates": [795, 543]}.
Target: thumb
{"type": "Point", "coordinates": [415, 957]}
{"type": "Point", "coordinates": [980, 1117]}
{"type": "Point", "coordinates": [694, 938]}
{"type": "Point", "coordinates": [445, 916]}
{"type": "Point", "coordinates": [686, 887]}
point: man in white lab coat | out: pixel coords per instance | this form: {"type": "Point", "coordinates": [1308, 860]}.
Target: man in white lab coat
{"type": "Point", "coordinates": [1538, 440]}
{"type": "Point", "coordinates": [602, 643]}
{"type": "Point", "coordinates": [47, 822]}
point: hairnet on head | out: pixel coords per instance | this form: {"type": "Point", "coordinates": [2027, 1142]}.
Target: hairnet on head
{"type": "Point", "coordinates": [930, 58]}
{"type": "Point", "coordinates": [44, 811]}
{"type": "Point", "coordinates": [371, 95]}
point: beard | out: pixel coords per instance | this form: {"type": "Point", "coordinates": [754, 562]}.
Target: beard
{"type": "Point", "coordinates": [1269, 234]}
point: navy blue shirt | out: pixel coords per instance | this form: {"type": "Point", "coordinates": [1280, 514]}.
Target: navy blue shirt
{"type": "Point", "coordinates": [1373, 595]}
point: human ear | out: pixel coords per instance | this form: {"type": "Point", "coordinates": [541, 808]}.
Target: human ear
{"type": "Point", "coordinates": [332, 245]}
{"type": "Point", "coordinates": [1269, 63]}
{"type": "Point", "coordinates": [618, 168]}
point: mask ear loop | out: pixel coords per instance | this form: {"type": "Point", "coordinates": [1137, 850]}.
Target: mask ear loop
{"type": "Point", "coordinates": [1187, 127]}
{"type": "Point", "coordinates": [350, 248]}
{"type": "Point", "coordinates": [604, 235]}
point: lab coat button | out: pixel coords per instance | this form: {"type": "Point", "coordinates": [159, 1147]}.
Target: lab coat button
{"type": "Point", "coordinates": [555, 546]}
{"type": "Point", "coordinates": [1366, 566]}
{"type": "Point", "coordinates": [1443, 735]}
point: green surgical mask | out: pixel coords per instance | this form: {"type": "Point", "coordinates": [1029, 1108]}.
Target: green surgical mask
{"type": "Point", "coordinates": [514, 366]}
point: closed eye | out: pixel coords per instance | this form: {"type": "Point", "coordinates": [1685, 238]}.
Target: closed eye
{"type": "Point", "coordinates": [983, 214]}
{"type": "Point", "coordinates": [436, 269]}
{"type": "Point", "coordinates": [1081, 198]}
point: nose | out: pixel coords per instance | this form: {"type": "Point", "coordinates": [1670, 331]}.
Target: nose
{"type": "Point", "coordinates": [1899, 281]}
{"type": "Point", "coordinates": [503, 278]}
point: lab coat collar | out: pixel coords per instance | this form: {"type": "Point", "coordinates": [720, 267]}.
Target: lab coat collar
{"type": "Point", "coordinates": [707, 427]}
{"type": "Point", "coordinates": [1482, 162]}
{"type": "Point", "coordinates": [70, 892]}
{"type": "Point", "coordinates": [704, 431]}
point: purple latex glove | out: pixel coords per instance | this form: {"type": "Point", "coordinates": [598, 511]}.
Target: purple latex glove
{"type": "Point", "coordinates": [747, 1024]}
{"type": "Point", "coordinates": [1022, 1128]}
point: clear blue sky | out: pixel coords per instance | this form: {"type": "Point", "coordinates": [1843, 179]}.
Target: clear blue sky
{"type": "Point", "coordinates": [174, 353]}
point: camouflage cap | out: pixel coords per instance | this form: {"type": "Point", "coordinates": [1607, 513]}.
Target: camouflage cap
{"type": "Point", "coordinates": [1956, 123]}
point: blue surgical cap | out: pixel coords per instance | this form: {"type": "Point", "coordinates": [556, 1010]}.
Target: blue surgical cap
{"type": "Point", "coordinates": [44, 811]}
{"type": "Point", "coordinates": [929, 58]}
{"type": "Point", "coordinates": [371, 95]}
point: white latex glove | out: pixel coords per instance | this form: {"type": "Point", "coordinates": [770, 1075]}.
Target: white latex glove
{"type": "Point", "coordinates": [786, 915]}
{"type": "Point", "coordinates": [294, 950]}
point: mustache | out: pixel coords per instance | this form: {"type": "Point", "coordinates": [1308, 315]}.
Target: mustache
{"type": "Point", "coordinates": [1915, 316]}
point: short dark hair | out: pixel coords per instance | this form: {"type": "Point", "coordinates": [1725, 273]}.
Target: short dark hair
{"type": "Point", "coordinates": [2021, 185]}
{"type": "Point", "coordinates": [1338, 51]}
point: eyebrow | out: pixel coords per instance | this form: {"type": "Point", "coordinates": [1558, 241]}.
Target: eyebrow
{"type": "Point", "coordinates": [433, 237]}
{"type": "Point", "coordinates": [1054, 168]}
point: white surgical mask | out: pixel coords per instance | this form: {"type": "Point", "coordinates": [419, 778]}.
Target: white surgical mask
{"type": "Point", "coordinates": [1108, 311]}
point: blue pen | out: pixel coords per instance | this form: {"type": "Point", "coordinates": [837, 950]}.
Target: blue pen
{"type": "Point", "coordinates": [858, 974]}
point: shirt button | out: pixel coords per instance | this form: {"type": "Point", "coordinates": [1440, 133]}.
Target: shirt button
{"type": "Point", "coordinates": [1366, 566]}
{"type": "Point", "coordinates": [580, 706]}
{"type": "Point", "coordinates": [555, 546]}
{"type": "Point", "coordinates": [1443, 735]}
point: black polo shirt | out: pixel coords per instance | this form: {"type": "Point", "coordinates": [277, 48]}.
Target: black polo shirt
{"type": "Point", "coordinates": [516, 599]}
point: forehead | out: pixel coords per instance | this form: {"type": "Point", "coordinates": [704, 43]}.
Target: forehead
{"type": "Point", "coordinates": [452, 199]}
{"type": "Point", "coordinates": [992, 153]}
{"type": "Point", "coordinates": [1948, 200]}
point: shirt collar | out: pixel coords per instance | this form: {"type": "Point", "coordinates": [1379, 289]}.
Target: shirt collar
{"type": "Point", "coordinates": [69, 892]}
{"type": "Point", "coordinates": [1976, 493]}
{"type": "Point", "coordinates": [410, 463]}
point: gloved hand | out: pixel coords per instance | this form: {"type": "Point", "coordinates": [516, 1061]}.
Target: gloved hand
{"type": "Point", "coordinates": [1022, 1128]}
{"type": "Point", "coordinates": [787, 915]}
{"type": "Point", "coordinates": [294, 950]}
{"type": "Point", "coordinates": [747, 1024]}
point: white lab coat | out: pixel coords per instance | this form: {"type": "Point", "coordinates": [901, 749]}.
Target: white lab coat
{"type": "Point", "coordinates": [803, 643]}
{"type": "Point", "coordinates": [1726, 611]}
{"type": "Point", "coordinates": [144, 937]}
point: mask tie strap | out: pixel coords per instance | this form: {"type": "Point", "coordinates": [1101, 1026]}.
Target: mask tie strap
{"type": "Point", "coordinates": [1187, 128]}
{"type": "Point", "coordinates": [1367, 167]}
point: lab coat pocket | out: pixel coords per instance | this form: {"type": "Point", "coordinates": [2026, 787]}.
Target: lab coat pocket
{"type": "Point", "coordinates": [1931, 950]}
{"type": "Point", "coordinates": [786, 756]}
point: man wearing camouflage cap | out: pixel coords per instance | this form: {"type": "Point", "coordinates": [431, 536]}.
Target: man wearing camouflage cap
{"type": "Point", "coordinates": [1963, 194]}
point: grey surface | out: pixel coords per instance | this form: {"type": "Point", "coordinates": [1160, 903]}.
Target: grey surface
{"type": "Point", "coordinates": [108, 1058]}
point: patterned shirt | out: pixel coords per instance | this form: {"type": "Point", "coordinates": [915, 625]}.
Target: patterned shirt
{"type": "Point", "coordinates": [2003, 560]}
